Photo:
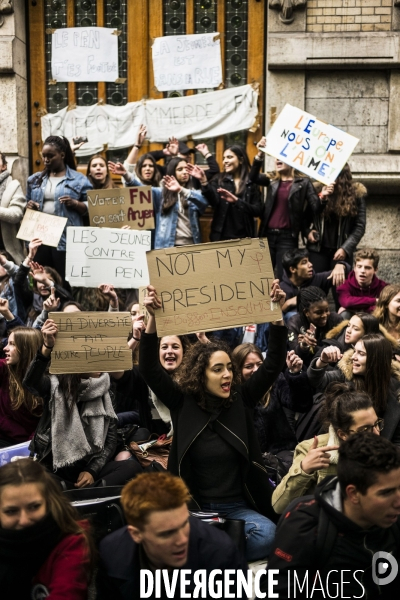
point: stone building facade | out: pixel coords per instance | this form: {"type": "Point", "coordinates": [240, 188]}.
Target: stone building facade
{"type": "Point", "coordinates": [338, 59]}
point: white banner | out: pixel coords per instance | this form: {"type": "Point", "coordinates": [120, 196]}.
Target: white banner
{"type": "Point", "coordinates": [101, 255]}
{"type": "Point", "coordinates": [319, 150]}
{"type": "Point", "coordinates": [84, 54]}
{"type": "Point", "coordinates": [200, 116]}
{"type": "Point", "coordinates": [187, 62]}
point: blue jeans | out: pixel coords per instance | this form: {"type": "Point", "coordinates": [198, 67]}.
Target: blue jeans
{"type": "Point", "coordinates": [260, 531]}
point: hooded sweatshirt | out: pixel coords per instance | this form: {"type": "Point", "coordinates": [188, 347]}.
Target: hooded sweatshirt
{"type": "Point", "coordinates": [352, 296]}
{"type": "Point", "coordinates": [350, 561]}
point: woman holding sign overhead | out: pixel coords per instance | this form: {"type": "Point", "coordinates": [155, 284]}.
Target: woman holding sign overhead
{"type": "Point", "coordinates": [58, 190]}
{"type": "Point", "coordinates": [215, 448]}
{"type": "Point", "coordinates": [288, 194]}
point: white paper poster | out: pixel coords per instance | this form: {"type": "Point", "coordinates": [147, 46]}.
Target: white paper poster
{"type": "Point", "coordinates": [187, 62]}
{"type": "Point", "coordinates": [84, 54]}
{"type": "Point", "coordinates": [101, 255]}
{"type": "Point", "coordinates": [300, 140]}
{"type": "Point", "coordinates": [47, 228]}
{"type": "Point", "coordinates": [199, 116]}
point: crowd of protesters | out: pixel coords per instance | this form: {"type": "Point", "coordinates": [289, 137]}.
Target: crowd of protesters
{"type": "Point", "coordinates": [252, 418]}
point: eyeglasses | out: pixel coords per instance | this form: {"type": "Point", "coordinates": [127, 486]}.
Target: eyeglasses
{"type": "Point", "coordinates": [369, 428]}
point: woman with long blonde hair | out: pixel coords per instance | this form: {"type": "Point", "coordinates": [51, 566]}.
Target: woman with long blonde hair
{"type": "Point", "coordinates": [19, 409]}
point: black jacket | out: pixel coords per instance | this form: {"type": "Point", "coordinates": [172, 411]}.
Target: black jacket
{"type": "Point", "coordinates": [318, 280]}
{"type": "Point", "coordinates": [232, 220]}
{"type": "Point", "coordinates": [37, 382]}
{"type": "Point", "coordinates": [296, 550]}
{"type": "Point", "coordinates": [351, 229]}
{"type": "Point", "coordinates": [296, 328]}
{"type": "Point", "coordinates": [302, 194]}
{"type": "Point", "coordinates": [292, 392]}
{"type": "Point", "coordinates": [234, 425]}
{"type": "Point", "coordinates": [321, 378]}
{"type": "Point", "coordinates": [209, 549]}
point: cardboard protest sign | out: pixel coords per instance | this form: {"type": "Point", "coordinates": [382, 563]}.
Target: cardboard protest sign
{"type": "Point", "coordinates": [187, 62]}
{"type": "Point", "coordinates": [47, 228]}
{"type": "Point", "coordinates": [213, 286]}
{"type": "Point", "coordinates": [102, 255]}
{"type": "Point", "coordinates": [300, 140]}
{"type": "Point", "coordinates": [89, 342]}
{"type": "Point", "coordinates": [84, 54]}
{"type": "Point", "coordinates": [117, 207]}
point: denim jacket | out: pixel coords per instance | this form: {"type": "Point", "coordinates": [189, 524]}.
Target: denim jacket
{"type": "Point", "coordinates": [166, 224]}
{"type": "Point", "coordinates": [73, 184]}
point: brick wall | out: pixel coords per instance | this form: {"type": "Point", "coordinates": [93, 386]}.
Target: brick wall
{"type": "Point", "coordinates": [349, 15]}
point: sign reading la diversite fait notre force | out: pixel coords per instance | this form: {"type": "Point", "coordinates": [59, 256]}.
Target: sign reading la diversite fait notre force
{"type": "Point", "coordinates": [89, 342]}
{"type": "Point", "coordinates": [213, 286]}
{"type": "Point", "coordinates": [300, 140]}
{"type": "Point", "coordinates": [117, 207]}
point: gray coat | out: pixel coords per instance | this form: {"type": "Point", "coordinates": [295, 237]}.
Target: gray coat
{"type": "Point", "coordinates": [12, 206]}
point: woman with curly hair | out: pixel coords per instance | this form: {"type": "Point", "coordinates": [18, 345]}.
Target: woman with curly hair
{"type": "Point", "coordinates": [387, 310]}
{"type": "Point", "coordinates": [19, 409]}
{"type": "Point", "coordinates": [215, 448]}
{"type": "Point", "coordinates": [335, 232]}
{"type": "Point", "coordinates": [46, 551]}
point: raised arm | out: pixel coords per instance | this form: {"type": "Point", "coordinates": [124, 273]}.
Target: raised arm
{"type": "Point", "coordinates": [150, 368]}
{"type": "Point", "coordinates": [259, 383]}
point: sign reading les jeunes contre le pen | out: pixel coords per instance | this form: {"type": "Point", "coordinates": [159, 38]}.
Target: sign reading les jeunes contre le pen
{"type": "Point", "coordinates": [300, 140]}
{"type": "Point", "coordinates": [213, 286]}
{"type": "Point", "coordinates": [89, 342]}
{"type": "Point", "coordinates": [117, 207]}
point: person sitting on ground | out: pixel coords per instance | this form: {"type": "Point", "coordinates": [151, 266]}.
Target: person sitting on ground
{"type": "Point", "coordinates": [161, 534]}
{"type": "Point", "coordinates": [308, 328]}
{"type": "Point", "coordinates": [370, 368]}
{"type": "Point", "coordinates": [76, 437]}
{"type": "Point", "coordinates": [344, 412]}
{"type": "Point", "coordinates": [298, 273]}
{"type": "Point", "coordinates": [361, 290]}
{"type": "Point", "coordinates": [336, 533]}
{"type": "Point", "coordinates": [291, 391]}
{"type": "Point", "coordinates": [214, 447]}
{"type": "Point", "coordinates": [46, 550]}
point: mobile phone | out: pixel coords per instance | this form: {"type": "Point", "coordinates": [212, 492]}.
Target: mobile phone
{"type": "Point", "coordinates": [80, 140]}
{"type": "Point", "coordinates": [313, 329]}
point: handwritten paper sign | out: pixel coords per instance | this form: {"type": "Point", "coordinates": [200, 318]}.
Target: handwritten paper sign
{"type": "Point", "coordinates": [89, 342]}
{"type": "Point", "coordinates": [300, 140]}
{"type": "Point", "coordinates": [102, 255]}
{"type": "Point", "coordinates": [199, 116]}
{"type": "Point", "coordinates": [47, 228]}
{"type": "Point", "coordinates": [187, 62]}
{"type": "Point", "coordinates": [84, 54]}
{"type": "Point", "coordinates": [213, 286]}
{"type": "Point", "coordinates": [117, 207]}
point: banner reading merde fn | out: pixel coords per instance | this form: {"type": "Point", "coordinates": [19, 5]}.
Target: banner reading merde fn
{"type": "Point", "coordinates": [213, 286]}
{"type": "Point", "coordinates": [187, 62]}
{"type": "Point", "coordinates": [199, 116]}
{"type": "Point", "coordinates": [300, 140]}
{"type": "Point", "coordinates": [102, 255]}
{"type": "Point", "coordinates": [37, 224]}
{"type": "Point", "coordinates": [116, 207]}
{"type": "Point", "coordinates": [89, 342]}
